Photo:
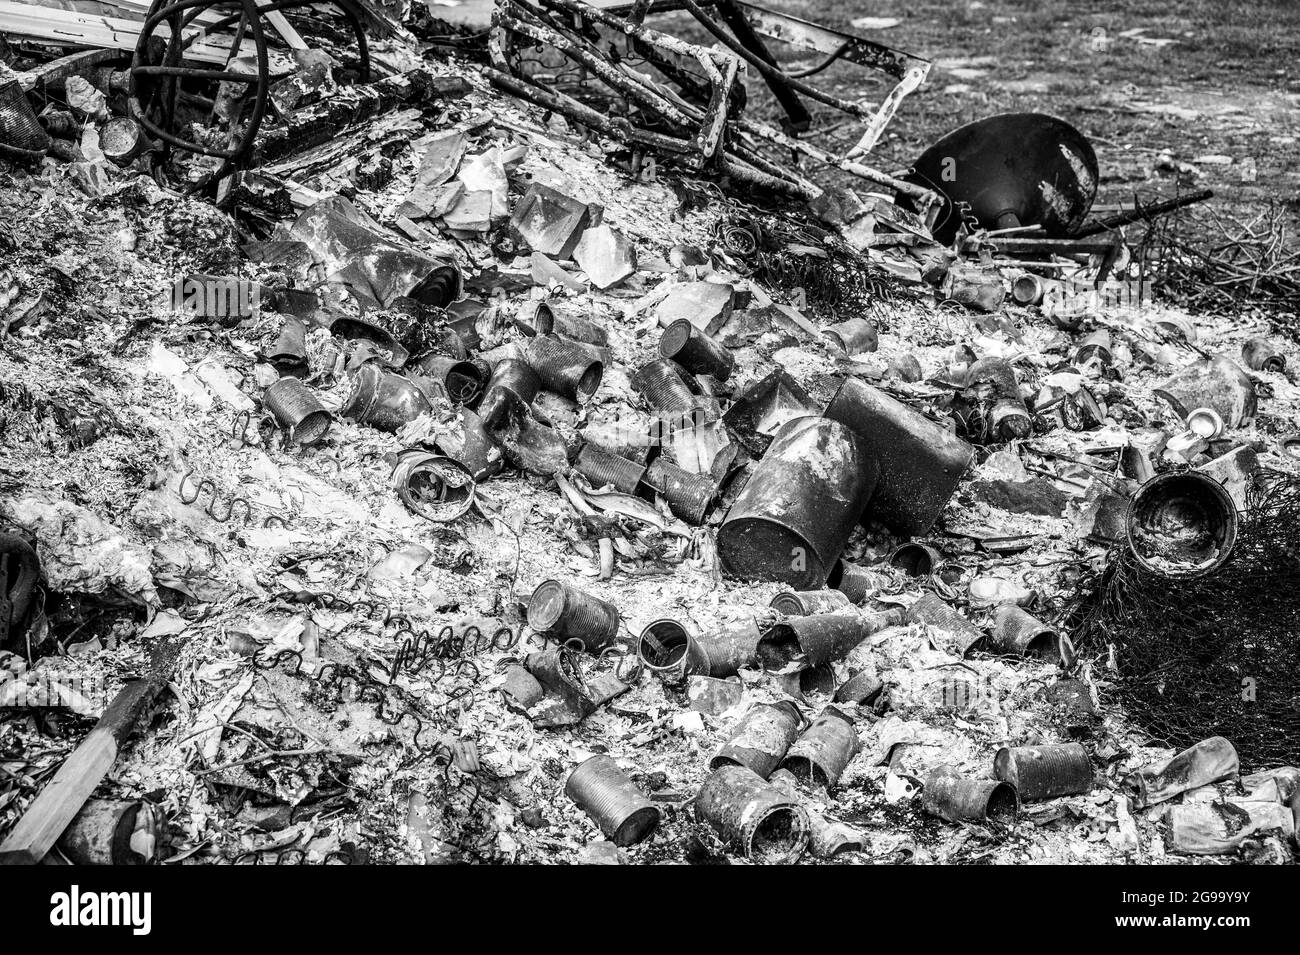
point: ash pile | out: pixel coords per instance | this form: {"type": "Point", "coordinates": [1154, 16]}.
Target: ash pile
{"type": "Point", "coordinates": [487, 445]}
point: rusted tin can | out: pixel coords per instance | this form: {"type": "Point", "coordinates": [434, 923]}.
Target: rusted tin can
{"type": "Point", "coordinates": [567, 613]}
{"type": "Point", "coordinates": [663, 384]}
{"type": "Point", "coordinates": [535, 317]}
{"type": "Point", "coordinates": [958, 799]}
{"type": "Point", "coordinates": [695, 351]}
{"type": "Point", "coordinates": [798, 508]}
{"type": "Point", "coordinates": [438, 488]}
{"type": "Point", "coordinates": [1021, 633]}
{"type": "Point", "coordinates": [916, 560]}
{"type": "Point", "coordinates": [752, 816]}
{"type": "Point", "coordinates": [359, 328]}
{"type": "Point", "coordinates": [994, 384]}
{"type": "Point", "coordinates": [796, 603]}
{"type": "Point", "coordinates": [761, 738]}
{"type": "Point", "coordinates": [1045, 772]}
{"type": "Point", "coordinates": [603, 791]}
{"type": "Point", "coordinates": [1260, 355]}
{"type": "Point", "coordinates": [1095, 345]}
{"type": "Point", "coordinates": [824, 750]}
{"type": "Point", "coordinates": [579, 329]}
{"type": "Point", "coordinates": [854, 581]}
{"type": "Point", "coordinates": [1028, 289]}
{"type": "Point", "coordinates": [669, 652]}
{"type": "Point", "coordinates": [854, 336]}
{"type": "Point", "coordinates": [689, 496]}
{"type": "Point", "coordinates": [820, 638]}
{"type": "Point", "coordinates": [565, 367]}
{"type": "Point", "coordinates": [1181, 524]}
{"type": "Point", "coordinates": [932, 611]}
{"type": "Point", "coordinates": [602, 468]}
{"type": "Point", "coordinates": [383, 400]}
{"type": "Point", "coordinates": [461, 380]}
{"type": "Point", "coordinates": [298, 411]}
{"type": "Point", "coordinates": [731, 648]}
{"type": "Point", "coordinates": [513, 386]}
{"type": "Point", "coordinates": [920, 462]}
{"type": "Point", "coordinates": [861, 689]}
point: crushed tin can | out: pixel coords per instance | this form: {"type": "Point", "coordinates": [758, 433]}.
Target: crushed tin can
{"type": "Point", "coordinates": [916, 560]}
{"type": "Point", "coordinates": [603, 791]}
{"type": "Point", "coordinates": [473, 447]}
{"type": "Point", "coordinates": [730, 649]}
{"type": "Point", "coordinates": [854, 336]}
{"type": "Point", "coordinates": [856, 582]}
{"type": "Point", "coordinates": [383, 400]}
{"type": "Point", "coordinates": [531, 446]}
{"type": "Point", "coordinates": [690, 348]}
{"type": "Point", "coordinates": [569, 614]}
{"type": "Point", "coordinates": [761, 738]}
{"type": "Point", "coordinates": [824, 750]}
{"type": "Point", "coordinates": [1260, 355]}
{"type": "Point", "coordinates": [565, 367]}
{"type": "Point", "coordinates": [752, 816]}
{"type": "Point", "coordinates": [862, 689]}
{"type": "Point", "coordinates": [355, 329]}
{"type": "Point", "coordinates": [1181, 525]}
{"type": "Point", "coordinates": [603, 469]}
{"type": "Point", "coordinates": [511, 389]}
{"type": "Point", "coordinates": [796, 512]}
{"type": "Point", "coordinates": [920, 462]}
{"type": "Point", "coordinates": [958, 799]}
{"type": "Point", "coordinates": [933, 612]}
{"type": "Point", "coordinates": [1045, 772]}
{"type": "Point", "coordinates": [1022, 634]}
{"type": "Point", "coordinates": [298, 411]}
{"type": "Point", "coordinates": [689, 496]}
{"type": "Point", "coordinates": [668, 651]}
{"type": "Point", "coordinates": [794, 603]}
{"type": "Point", "coordinates": [763, 408]}
{"type": "Point", "coordinates": [438, 488]}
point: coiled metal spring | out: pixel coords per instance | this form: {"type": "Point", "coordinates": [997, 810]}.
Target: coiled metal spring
{"type": "Point", "coordinates": [221, 508]}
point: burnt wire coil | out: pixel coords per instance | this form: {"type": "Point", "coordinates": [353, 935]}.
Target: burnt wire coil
{"type": "Point", "coordinates": [221, 507]}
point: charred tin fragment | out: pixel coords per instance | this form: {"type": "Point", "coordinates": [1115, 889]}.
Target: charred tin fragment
{"type": "Point", "coordinates": [513, 386]}
{"type": "Point", "coordinates": [1045, 772]}
{"type": "Point", "coordinates": [761, 738]}
{"type": "Point", "coordinates": [695, 351]}
{"type": "Point", "coordinates": [567, 613]}
{"type": "Point", "coordinates": [752, 816]}
{"type": "Point", "coordinates": [798, 508]}
{"type": "Point", "coordinates": [603, 791]}
{"type": "Point", "coordinates": [820, 638]}
{"type": "Point", "coordinates": [824, 750]}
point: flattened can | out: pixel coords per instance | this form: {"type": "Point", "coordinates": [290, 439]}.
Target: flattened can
{"type": "Point", "coordinates": [824, 750]}
{"type": "Point", "coordinates": [1045, 772]}
{"type": "Point", "coordinates": [798, 508]}
{"type": "Point", "coordinates": [761, 738]}
{"type": "Point", "coordinates": [603, 791]}
{"type": "Point", "coordinates": [753, 816]}
{"type": "Point", "coordinates": [920, 462]}
{"type": "Point", "coordinates": [567, 613]}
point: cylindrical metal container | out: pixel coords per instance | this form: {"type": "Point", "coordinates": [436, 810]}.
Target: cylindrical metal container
{"type": "Point", "coordinates": [297, 409]}
{"type": "Point", "coordinates": [920, 462]}
{"type": "Point", "coordinates": [730, 649]}
{"type": "Point", "coordinates": [754, 817]}
{"type": "Point", "coordinates": [567, 613]}
{"type": "Point", "coordinates": [994, 382]}
{"type": "Point", "coordinates": [1095, 345]}
{"type": "Point", "coordinates": [669, 652]}
{"type": "Point", "coordinates": [1205, 422]}
{"type": "Point", "coordinates": [460, 379]}
{"type": "Point", "coordinates": [664, 387]}
{"type": "Point", "coordinates": [688, 495]}
{"type": "Point", "coordinates": [383, 400]}
{"type": "Point", "coordinates": [824, 750]}
{"type": "Point", "coordinates": [1015, 631]}
{"type": "Point", "coordinates": [513, 386]}
{"type": "Point", "coordinates": [1028, 289]}
{"type": "Point", "coordinates": [601, 469]}
{"type": "Point", "coordinates": [916, 560]}
{"type": "Point", "coordinates": [695, 351]}
{"type": "Point", "coordinates": [821, 638]}
{"type": "Point", "coordinates": [535, 317]}
{"type": "Point", "coordinates": [1260, 355]}
{"type": "Point", "coordinates": [438, 488]}
{"type": "Point", "coordinates": [603, 791]}
{"type": "Point", "coordinates": [1181, 524]}
{"type": "Point", "coordinates": [565, 367]}
{"type": "Point", "coordinates": [761, 738]}
{"type": "Point", "coordinates": [861, 689]}
{"type": "Point", "coordinates": [854, 336]}
{"type": "Point", "coordinates": [855, 582]}
{"type": "Point", "coordinates": [795, 603]}
{"type": "Point", "coordinates": [958, 799]}
{"type": "Point", "coordinates": [933, 612]}
{"type": "Point", "coordinates": [798, 508]}
{"type": "Point", "coordinates": [1045, 772]}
